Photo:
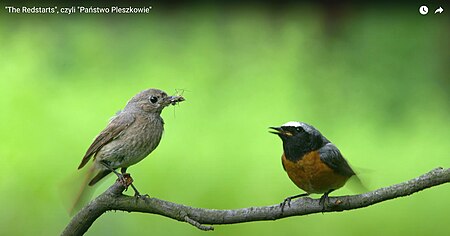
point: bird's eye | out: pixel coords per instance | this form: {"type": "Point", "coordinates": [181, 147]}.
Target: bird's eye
{"type": "Point", "coordinates": [153, 99]}
{"type": "Point", "coordinates": [298, 129]}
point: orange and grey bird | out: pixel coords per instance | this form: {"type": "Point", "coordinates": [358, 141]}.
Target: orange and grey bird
{"type": "Point", "coordinates": [311, 161]}
{"type": "Point", "coordinates": [131, 135]}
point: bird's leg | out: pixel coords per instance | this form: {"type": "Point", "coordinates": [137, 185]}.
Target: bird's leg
{"type": "Point", "coordinates": [123, 170]}
{"type": "Point", "coordinates": [288, 200]}
{"type": "Point", "coordinates": [324, 200]}
{"type": "Point", "coordinates": [120, 176]}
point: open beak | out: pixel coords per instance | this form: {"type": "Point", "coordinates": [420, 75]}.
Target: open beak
{"type": "Point", "coordinates": [173, 100]}
{"type": "Point", "coordinates": [276, 130]}
{"type": "Point", "coordinates": [280, 131]}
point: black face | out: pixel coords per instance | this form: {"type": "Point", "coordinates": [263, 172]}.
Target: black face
{"type": "Point", "coordinates": [297, 141]}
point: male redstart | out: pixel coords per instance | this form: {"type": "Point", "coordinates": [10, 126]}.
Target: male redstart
{"type": "Point", "coordinates": [311, 161]}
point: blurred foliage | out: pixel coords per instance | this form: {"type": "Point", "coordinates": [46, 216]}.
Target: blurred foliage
{"type": "Point", "coordinates": [377, 85]}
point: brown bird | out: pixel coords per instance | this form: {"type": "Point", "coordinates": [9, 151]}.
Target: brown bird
{"type": "Point", "coordinates": [131, 135]}
{"type": "Point", "coordinates": [311, 161]}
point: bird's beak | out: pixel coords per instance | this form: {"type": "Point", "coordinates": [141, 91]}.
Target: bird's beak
{"type": "Point", "coordinates": [279, 131]}
{"type": "Point", "coordinates": [173, 100]}
{"type": "Point", "coordinates": [276, 130]}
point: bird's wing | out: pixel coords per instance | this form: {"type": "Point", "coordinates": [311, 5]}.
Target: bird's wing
{"type": "Point", "coordinates": [333, 158]}
{"type": "Point", "coordinates": [115, 127]}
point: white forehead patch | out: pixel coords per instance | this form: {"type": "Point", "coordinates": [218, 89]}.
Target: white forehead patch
{"type": "Point", "coordinates": [293, 124]}
{"type": "Point", "coordinates": [305, 127]}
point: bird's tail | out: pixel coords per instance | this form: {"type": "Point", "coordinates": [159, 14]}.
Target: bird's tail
{"type": "Point", "coordinates": [357, 185]}
{"type": "Point", "coordinates": [99, 176]}
{"type": "Point", "coordinates": [84, 191]}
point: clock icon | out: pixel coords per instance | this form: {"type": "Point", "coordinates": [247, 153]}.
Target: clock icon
{"type": "Point", "coordinates": [423, 10]}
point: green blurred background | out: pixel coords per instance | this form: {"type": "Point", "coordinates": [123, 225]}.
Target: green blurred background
{"type": "Point", "coordinates": [374, 80]}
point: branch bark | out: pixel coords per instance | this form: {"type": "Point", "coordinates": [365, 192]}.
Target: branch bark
{"type": "Point", "coordinates": [113, 199]}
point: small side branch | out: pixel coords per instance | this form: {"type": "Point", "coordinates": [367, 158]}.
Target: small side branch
{"type": "Point", "coordinates": [197, 224]}
{"type": "Point", "coordinates": [113, 199]}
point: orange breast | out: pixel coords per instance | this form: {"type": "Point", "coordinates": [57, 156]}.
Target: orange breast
{"type": "Point", "coordinates": [312, 175]}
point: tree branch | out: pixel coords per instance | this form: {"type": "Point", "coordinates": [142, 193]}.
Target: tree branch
{"type": "Point", "coordinates": [113, 199]}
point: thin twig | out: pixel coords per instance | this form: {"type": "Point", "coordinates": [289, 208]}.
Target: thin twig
{"type": "Point", "coordinates": [197, 224]}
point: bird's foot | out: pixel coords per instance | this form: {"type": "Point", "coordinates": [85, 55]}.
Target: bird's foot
{"type": "Point", "coordinates": [324, 200]}
{"type": "Point", "coordinates": [137, 194]}
{"type": "Point", "coordinates": [141, 196]}
{"type": "Point", "coordinates": [285, 201]}
{"type": "Point", "coordinates": [125, 179]}
{"type": "Point", "coordinates": [289, 199]}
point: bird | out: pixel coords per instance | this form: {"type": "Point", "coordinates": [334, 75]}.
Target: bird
{"type": "Point", "coordinates": [311, 161]}
{"type": "Point", "coordinates": [130, 136]}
